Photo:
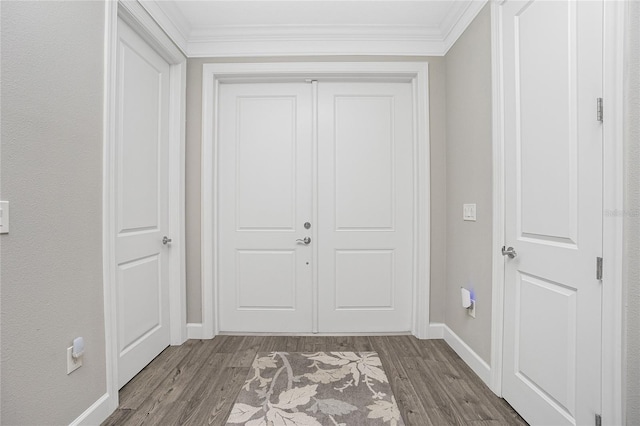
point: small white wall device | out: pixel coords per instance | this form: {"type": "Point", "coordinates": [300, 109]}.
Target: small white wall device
{"type": "Point", "coordinates": [466, 297]}
{"type": "Point", "coordinates": [78, 347]}
{"type": "Point", "coordinates": [74, 355]}
{"type": "Point", "coordinates": [468, 301]}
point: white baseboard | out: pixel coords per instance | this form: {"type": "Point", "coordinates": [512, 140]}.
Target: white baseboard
{"type": "Point", "coordinates": [96, 414]}
{"type": "Point", "coordinates": [468, 355]}
{"type": "Point", "coordinates": [194, 330]}
{"type": "Point", "coordinates": [436, 330]}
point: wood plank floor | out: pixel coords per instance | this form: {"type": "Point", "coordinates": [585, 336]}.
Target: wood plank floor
{"type": "Point", "coordinates": [197, 383]}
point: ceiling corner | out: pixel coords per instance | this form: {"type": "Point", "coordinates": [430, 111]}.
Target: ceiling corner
{"type": "Point", "coordinates": [171, 20]}
{"type": "Point", "coordinates": [459, 22]}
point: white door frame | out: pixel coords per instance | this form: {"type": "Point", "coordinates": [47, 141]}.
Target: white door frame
{"type": "Point", "coordinates": [415, 72]}
{"type": "Point", "coordinates": [611, 396]}
{"type": "Point", "coordinates": [140, 21]}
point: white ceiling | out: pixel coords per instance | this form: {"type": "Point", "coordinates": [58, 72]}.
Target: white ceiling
{"type": "Point", "coordinates": [224, 28]}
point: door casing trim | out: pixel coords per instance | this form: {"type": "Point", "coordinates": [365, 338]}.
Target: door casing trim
{"type": "Point", "coordinates": [415, 72]}
{"type": "Point", "coordinates": [141, 22]}
{"type": "Point", "coordinates": [612, 392]}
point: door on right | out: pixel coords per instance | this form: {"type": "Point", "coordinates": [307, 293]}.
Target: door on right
{"type": "Point", "coordinates": [551, 81]}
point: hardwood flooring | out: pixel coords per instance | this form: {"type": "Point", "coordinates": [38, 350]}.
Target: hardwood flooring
{"type": "Point", "coordinates": [197, 383]}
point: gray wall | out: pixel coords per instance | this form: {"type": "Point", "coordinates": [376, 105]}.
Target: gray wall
{"type": "Point", "coordinates": [632, 216]}
{"type": "Point", "coordinates": [469, 180]}
{"type": "Point", "coordinates": [438, 176]}
{"type": "Point", "coordinates": [51, 172]}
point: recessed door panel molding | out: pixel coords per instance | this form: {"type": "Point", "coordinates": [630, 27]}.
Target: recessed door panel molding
{"type": "Point", "coordinates": [139, 304]}
{"type": "Point", "coordinates": [140, 92]}
{"type": "Point", "coordinates": [141, 203]}
{"type": "Point", "coordinates": [547, 132]}
{"type": "Point", "coordinates": [546, 344]}
{"type": "Point", "coordinates": [364, 279]}
{"type": "Point", "coordinates": [364, 190]}
{"type": "Point", "coordinates": [551, 68]}
{"type": "Point", "coordinates": [266, 129]}
{"type": "Point", "coordinates": [266, 279]}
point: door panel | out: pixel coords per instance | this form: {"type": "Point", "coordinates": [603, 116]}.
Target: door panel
{"type": "Point", "coordinates": [265, 198]}
{"type": "Point", "coordinates": [141, 203]}
{"type": "Point", "coordinates": [266, 279]}
{"type": "Point", "coordinates": [365, 198]}
{"type": "Point", "coordinates": [548, 214]}
{"type": "Point", "coordinates": [364, 195]}
{"type": "Point", "coordinates": [373, 267]}
{"type": "Point", "coordinates": [552, 68]}
{"type": "Point", "coordinates": [266, 129]}
{"type": "Point", "coordinates": [550, 371]}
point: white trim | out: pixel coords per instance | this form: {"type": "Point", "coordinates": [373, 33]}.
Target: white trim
{"type": "Point", "coordinates": [209, 216]}
{"type": "Point", "coordinates": [108, 246]}
{"type": "Point", "coordinates": [177, 266]}
{"type": "Point", "coordinates": [436, 330]}
{"type": "Point", "coordinates": [212, 74]}
{"type": "Point", "coordinates": [136, 16]}
{"type": "Point", "coordinates": [497, 289]}
{"type": "Point", "coordinates": [170, 19]}
{"type": "Point", "coordinates": [327, 40]}
{"type": "Point", "coordinates": [612, 305]}
{"type": "Point", "coordinates": [460, 24]}
{"type": "Point", "coordinates": [194, 331]}
{"type": "Point", "coordinates": [468, 355]}
{"type": "Point", "coordinates": [260, 41]}
{"type": "Point", "coordinates": [96, 413]}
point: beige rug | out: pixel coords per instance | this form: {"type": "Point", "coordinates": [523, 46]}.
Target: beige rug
{"type": "Point", "coordinates": [312, 389]}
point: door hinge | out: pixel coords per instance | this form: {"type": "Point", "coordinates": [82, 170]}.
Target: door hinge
{"type": "Point", "coordinates": [598, 420]}
{"type": "Point", "coordinates": [599, 268]}
{"type": "Point", "coordinates": [600, 110]}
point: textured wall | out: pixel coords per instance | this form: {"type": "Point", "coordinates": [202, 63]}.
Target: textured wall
{"type": "Point", "coordinates": [51, 172]}
{"type": "Point", "coordinates": [632, 218]}
{"type": "Point", "coordinates": [469, 180]}
{"type": "Point", "coordinates": [438, 174]}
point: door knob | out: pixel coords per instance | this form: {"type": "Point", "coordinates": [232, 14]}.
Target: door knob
{"type": "Point", "coordinates": [305, 240]}
{"type": "Point", "coordinates": [509, 252]}
{"type": "Point", "coordinates": [166, 240]}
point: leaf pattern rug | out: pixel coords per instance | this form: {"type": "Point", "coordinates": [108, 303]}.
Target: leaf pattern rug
{"type": "Point", "coordinates": [313, 389]}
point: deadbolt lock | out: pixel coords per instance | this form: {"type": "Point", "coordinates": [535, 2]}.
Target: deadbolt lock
{"type": "Point", "coordinates": [307, 225]}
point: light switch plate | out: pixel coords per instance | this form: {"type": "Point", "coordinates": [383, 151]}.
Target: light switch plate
{"type": "Point", "coordinates": [469, 212]}
{"type": "Point", "coordinates": [4, 217]}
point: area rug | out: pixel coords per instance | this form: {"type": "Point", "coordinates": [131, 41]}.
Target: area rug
{"type": "Point", "coordinates": [312, 389]}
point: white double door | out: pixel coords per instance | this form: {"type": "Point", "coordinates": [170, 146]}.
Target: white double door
{"type": "Point", "coordinates": [552, 70]}
{"type": "Point", "coordinates": [330, 162]}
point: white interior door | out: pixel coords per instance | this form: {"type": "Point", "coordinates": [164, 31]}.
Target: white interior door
{"type": "Point", "coordinates": [141, 203]}
{"type": "Point", "coordinates": [265, 196]}
{"type": "Point", "coordinates": [364, 191]}
{"type": "Point", "coordinates": [365, 214]}
{"type": "Point", "coordinates": [552, 59]}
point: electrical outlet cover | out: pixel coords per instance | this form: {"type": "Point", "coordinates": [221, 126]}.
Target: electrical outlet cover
{"type": "Point", "coordinates": [471, 310]}
{"type": "Point", "coordinates": [72, 364]}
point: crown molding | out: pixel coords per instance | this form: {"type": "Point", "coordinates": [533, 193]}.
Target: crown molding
{"type": "Point", "coordinates": [459, 22]}
{"type": "Point", "coordinates": [171, 20]}
{"type": "Point", "coordinates": [261, 41]}
{"type": "Point", "coordinates": [315, 40]}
